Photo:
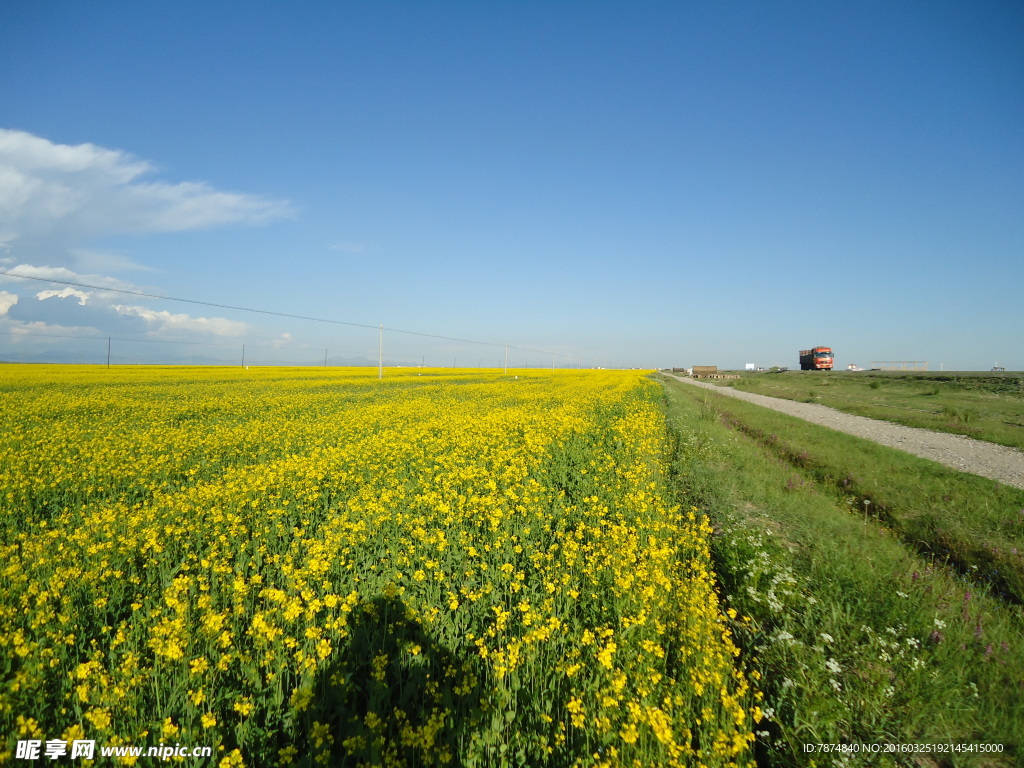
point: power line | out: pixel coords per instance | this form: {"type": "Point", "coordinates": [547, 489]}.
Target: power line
{"type": "Point", "coordinates": [136, 339]}
{"type": "Point", "coordinates": [185, 301]}
{"type": "Point", "coordinates": [437, 360]}
{"type": "Point", "coordinates": [275, 314]}
{"type": "Point", "coordinates": [219, 344]}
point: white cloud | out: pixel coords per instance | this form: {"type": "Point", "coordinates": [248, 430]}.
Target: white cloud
{"type": "Point", "coordinates": [21, 330]}
{"type": "Point", "coordinates": [7, 300]}
{"type": "Point", "coordinates": [63, 293]}
{"type": "Point", "coordinates": [63, 195]}
{"type": "Point", "coordinates": [63, 274]}
{"type": "Point", "coordinates": [40, 155]}
{"type": "Point", "coordinates": [107, 301]}
{"type": "Point", "coordinates": [164, 321]}
{"type": "Point", "coordinates": [57, 198]}
{"type": "Point", "coordinates": [86, 260]}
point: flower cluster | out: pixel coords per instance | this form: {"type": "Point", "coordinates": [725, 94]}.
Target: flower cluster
{"type": "Point", "coordinates": [316, 565]}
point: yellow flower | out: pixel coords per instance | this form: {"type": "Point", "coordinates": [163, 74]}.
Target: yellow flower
{"type": "Point", "coordinates": [321, 734]}
{"type": "Point", "coordinates": [575, 707]}
{"type": "Point", "coordinates": [323, 649]}
{"type": "Point", "coordinates": [30, 727]}
{"type": "Point", "coordinates": [512, 516]}
{"type": "Point", "coordinates": [99, 717]}
{"type": "Point", "coordinates": [300, 698]}
{"type": "Point", "coordinates": [74, 733]}
{"type": "Point", "coordinates": [630, 733]}
{"type": "Point", "coordinates": [243, 706]}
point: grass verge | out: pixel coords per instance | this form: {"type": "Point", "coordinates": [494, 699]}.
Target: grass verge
{"type": "Point", "coordinates": [856, 637]}
{"type": "Point", "coordinates": [986, 406]}
{"type": "Point", "coordinates": [974, 524]}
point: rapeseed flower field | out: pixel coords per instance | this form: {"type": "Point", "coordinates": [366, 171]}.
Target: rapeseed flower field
{"type": "Point", "coordinates": [314, 567]}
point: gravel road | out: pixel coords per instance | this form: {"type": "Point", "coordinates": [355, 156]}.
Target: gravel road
{"type": "Point", "coordinates": [961, 453]}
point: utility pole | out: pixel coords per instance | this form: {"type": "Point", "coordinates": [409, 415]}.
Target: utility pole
{"type": "Point", "coordinates": [552, 362]}
{"type": "Point", "coordinates": [243, 355]}
{"type": "Point", "coordinates": [108, 351]}
{"type": "Point", "coordinates": [506, 359]}
{"type": "Point", "coordinates": [325, 358]}
{"type": "Point", "coordinates": [380, 353]}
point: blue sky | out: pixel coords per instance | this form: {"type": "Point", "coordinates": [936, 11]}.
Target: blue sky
{"type": "Point", "coordinates": [636, 184]}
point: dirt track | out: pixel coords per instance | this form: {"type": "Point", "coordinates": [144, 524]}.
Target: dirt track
{"type": "Point", "coordinates": [965, 454]}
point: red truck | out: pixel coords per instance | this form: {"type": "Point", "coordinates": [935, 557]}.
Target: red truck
{"type": "Point", "coordinates": [816, 359]}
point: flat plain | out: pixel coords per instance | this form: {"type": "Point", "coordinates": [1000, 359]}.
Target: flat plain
{"type": "Point", "coordinates": [451, 567]}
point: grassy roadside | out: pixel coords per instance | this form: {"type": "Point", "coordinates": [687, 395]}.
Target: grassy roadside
{"type": "Point", "coordinates": [986, 406]}
{"type": "Point", "coordinates": [973, 523]}
{"type": "Point", "coordinates": [855, 637]}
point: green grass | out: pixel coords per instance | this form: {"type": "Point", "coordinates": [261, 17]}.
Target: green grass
{"type": "Point", "coordinates": [986, 406]}
{"type": "Point", "coordinates": [975, 524]}
{"type": "Point", "coordinates": [856, 636]}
